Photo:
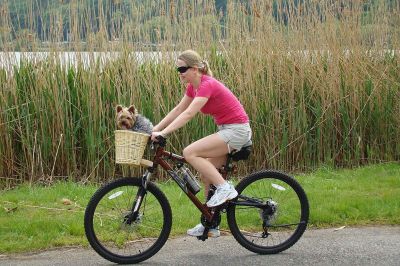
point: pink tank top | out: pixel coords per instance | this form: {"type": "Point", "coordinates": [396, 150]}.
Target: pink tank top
{"type": "Point", "coordinates": [222, 104]}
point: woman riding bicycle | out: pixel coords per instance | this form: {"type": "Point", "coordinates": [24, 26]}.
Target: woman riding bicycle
{"type": "Point", "coordinates": [210, 96]}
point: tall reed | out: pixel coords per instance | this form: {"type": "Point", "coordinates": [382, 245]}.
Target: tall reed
{"type": "Point", "coordinates": [319, 80]}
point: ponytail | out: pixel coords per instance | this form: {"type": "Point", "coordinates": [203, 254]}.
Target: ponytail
{"type": "Point", "coordinates": [205, 69]}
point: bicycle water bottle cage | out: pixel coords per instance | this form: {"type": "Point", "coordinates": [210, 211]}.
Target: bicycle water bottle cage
{"type": "Point", "coordinates": [242, 154]}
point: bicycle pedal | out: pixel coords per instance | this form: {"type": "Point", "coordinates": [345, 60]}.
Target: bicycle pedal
{"type": "Point", "coordinates": [202, 238]}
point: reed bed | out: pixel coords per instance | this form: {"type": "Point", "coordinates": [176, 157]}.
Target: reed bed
{"type": "Point", "coordinates": [319, 79]}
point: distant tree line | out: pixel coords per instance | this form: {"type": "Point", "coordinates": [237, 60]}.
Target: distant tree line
{"type": "Point", "coordinates": [41, 16]}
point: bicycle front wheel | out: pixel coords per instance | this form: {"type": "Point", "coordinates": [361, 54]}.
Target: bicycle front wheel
{"type": "Point", "coordinates": [119, 234]}
{"type": "Point", "coordinates": [270, 213]}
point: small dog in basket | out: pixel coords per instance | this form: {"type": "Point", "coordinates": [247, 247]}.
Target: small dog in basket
{"type": "Point", "coordinates": [129, 119]}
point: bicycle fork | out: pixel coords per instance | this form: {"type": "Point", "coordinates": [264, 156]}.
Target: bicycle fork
{"type": "Point", "coordinates": [134, 215]}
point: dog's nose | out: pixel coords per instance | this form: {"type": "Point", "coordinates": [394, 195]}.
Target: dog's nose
{"type": "Point", "coordinates": [124, 124]}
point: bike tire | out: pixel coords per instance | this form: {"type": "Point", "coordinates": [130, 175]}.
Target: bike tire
{"type": "Point", "coordinates": [114, 239]}
{"type": "Point", "coordinates": [284, 226]}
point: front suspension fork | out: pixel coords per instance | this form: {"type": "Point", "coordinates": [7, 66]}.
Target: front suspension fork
{"type": "Point", "coordinates": [134, 213]}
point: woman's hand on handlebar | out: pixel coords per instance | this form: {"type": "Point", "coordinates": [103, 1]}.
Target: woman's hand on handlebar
{"type": "Point", "coordinates": [155, 136]}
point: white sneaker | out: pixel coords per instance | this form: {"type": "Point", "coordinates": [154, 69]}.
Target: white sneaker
{"type": "Point", "coordinates": [221, 195]}
{"type": "Point", "coordinates": [199, 229]}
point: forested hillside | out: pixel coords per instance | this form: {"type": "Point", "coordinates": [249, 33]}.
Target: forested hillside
{"type": "Point", "coordinates": [72, 20]}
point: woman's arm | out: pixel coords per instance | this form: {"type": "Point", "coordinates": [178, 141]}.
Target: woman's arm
{"type": "Point", "coordinates": [174, 113]}
{"type": "Point", "coordinates": [185, 116]}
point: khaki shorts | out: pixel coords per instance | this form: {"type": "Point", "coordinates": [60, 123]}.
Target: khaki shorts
{"type": "Point", "coordinates": [236, 136]}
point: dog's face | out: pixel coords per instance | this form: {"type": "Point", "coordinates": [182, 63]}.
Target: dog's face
{"type": "Point", "coordinates": [125, 117]}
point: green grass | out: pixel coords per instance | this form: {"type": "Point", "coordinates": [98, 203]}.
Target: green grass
{"type": "Point", "coordinates": [368, 195]}
{"type": "Point", "coordinates": [35, 218]}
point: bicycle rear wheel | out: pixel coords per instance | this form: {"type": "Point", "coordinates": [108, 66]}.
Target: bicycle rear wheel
{"type": "Point", "coordinates": [270, 213]}
{"type": "Point", "coordinates": [118, 235]}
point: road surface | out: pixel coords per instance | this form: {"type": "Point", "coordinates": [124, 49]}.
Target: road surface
{"type": "Point", "coordinates": [347, 246]}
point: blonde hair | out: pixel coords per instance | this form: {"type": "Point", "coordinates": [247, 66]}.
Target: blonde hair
{"type": "Point", "coordinates": [193, 59]}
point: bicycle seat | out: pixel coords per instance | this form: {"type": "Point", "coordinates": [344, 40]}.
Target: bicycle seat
{"type": "Point", "coordinates": [242, 154]}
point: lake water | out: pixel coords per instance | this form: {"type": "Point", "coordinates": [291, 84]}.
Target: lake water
{"type": "Point", "coordinates": [10, 59]}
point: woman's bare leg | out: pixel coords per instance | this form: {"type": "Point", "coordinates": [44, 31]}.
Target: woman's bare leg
{"type": "Point", "coordinates": [196, 154]}
{"type": "Point", "coordinates": [217, 162]}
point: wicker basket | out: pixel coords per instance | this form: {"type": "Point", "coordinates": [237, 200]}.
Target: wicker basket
{"type": "Point", "coordinates": [129, 146]}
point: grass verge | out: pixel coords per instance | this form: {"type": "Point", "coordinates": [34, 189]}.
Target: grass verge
{"type": "Point", "coordinates": [35, 218]}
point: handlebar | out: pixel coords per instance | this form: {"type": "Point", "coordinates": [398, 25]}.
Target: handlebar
{"type": "Point", "coordinates": [161, 141]}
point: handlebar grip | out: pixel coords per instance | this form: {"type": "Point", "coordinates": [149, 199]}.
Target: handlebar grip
{"type": "Point", "coordinates": [162, 141]}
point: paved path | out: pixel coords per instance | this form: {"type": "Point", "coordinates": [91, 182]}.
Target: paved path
{"type": "Point", "coordinates": [348, 246]}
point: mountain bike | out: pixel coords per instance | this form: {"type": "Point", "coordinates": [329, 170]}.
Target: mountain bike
{"type": "Point", "coordinates": [129, 220]}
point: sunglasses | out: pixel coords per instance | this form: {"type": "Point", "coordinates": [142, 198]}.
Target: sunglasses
{"type": "Point", "coordinates": [183, 69]}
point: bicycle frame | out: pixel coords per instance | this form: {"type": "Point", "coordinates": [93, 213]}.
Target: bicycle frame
{"type": "Point", "coordinates": [160, 158]}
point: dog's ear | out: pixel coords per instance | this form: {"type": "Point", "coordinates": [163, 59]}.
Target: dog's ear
{"type": "Point", "coordinates": [118, 108]}
{"type": "Point", "coordinates": [132, 109]}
